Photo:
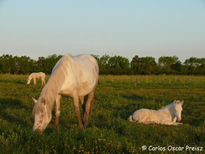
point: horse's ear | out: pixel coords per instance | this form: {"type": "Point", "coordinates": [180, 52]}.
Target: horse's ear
{"type": "Point", "coordinates": [182, 102]}
{"type": "Point", "coordinates": [175, 102]}
{"type": "Point", "coordinates": [34, 100]}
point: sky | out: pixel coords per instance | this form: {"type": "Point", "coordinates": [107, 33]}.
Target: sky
{"type": "Point", "coordinates": [114, 27]}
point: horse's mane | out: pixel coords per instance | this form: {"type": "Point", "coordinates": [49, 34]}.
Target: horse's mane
{"type": "Point", "coordinates": [56, 80]}
{"type": "Point", "coordinates": [169, 105]}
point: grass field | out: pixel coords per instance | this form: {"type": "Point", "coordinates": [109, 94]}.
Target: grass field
{"type": "Point", "coordinates": [109, 130]}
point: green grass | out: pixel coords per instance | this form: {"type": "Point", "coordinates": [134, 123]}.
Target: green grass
{"type": "Point", "coordinates": [116, 98]}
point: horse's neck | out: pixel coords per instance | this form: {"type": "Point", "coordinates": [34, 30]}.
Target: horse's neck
{"type": "Point", "coordinates": [50, 92]}
{"type": "Point", "coordinates": [55, 82]}
{"type": "Point", "coordinates": [165, 110]}
{"type": "Point", "coordinates": [168, 110]}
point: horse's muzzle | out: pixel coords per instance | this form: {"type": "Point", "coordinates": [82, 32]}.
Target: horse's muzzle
{"type": "Point", "coordinates": [37, 131]}
{"type": "Point", "coordinates": [179, 119]}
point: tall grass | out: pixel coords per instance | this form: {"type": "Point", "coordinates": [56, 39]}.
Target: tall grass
{"type": "Point", "coordinates": [109, 131]}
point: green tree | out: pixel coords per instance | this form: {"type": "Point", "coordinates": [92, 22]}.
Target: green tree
{"type": "Point", "coordinates": [143, 65]}
{"type": "Point", "coordinates": [103, 64]}
{"type": "Point", "coordinates": [118, 65]}
{"type": "Point", "coordinates": [49, 63]}
{"type": "Point", "coordinates": [165, 63]}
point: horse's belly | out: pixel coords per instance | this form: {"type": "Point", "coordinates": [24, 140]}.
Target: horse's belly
{"type": "Point", "coordinates": [86, 88]}
{"type": "Point", "coordinates": [83, 89]}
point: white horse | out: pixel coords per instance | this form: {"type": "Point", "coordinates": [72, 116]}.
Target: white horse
{"type": "Point", "coordinates": [34, 76]}
{"type": "Point", "coordinates": [167, 115]}
{"type": "Point", "coordinates": [71, 76]}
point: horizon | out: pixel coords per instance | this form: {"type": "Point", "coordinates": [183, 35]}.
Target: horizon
{"type": "Point", "coordinates": [130, 59]}
{"type": "Point", "coordinates": [143, 28]}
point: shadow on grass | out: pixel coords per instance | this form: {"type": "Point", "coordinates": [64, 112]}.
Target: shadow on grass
{"type": "Point", "coordinates": [8, 106]}
{"type": "Point", "coordinates": [142, 98]}
{"type": "Point", "coordinates": [12, 81]}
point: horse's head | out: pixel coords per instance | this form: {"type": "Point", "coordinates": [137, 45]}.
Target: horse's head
{"type": "Point", "coordinates": [178, 109]}
{"type": "Point", "coordinates": [41, 114]}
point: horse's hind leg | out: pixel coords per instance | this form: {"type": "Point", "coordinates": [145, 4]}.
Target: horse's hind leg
{"type": "Point", "coordinates": [142, 119]}
{"type": "Point", "coordinates": [88, 108]}
{"type": "Point", "coordinates": [42, 81]}
{"type": "Point", "coordinates": [91, 107]}
{"type": "Point", "coordinates": [77, 111]}
{"type": "Point", "coordinates": [57, 110]}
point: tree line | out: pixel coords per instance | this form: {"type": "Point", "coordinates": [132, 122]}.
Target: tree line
{"type": "Point", "coordinates": [115, 65]}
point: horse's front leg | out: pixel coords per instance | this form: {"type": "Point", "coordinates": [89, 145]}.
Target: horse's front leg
{"type": "Point", "coordinates": [82, 99]}
{"type": "Point", "coordinates": [88, 108]}
{"type": "Point", "coordinates": [170, 123]}
{"type": "Point", "coordinates": [175, 119]}
{"type": "Point", "coordinates": [178, 123]}
{"type": "Point", "coordinates": [57, 110]}
{"type": "Point", "coordinates": [77, 111]}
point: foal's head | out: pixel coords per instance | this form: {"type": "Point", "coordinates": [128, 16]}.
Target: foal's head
{"type": "Point", "coordinates": [41, 113]}
{"type": "Point", "coordinates": [178, 109]}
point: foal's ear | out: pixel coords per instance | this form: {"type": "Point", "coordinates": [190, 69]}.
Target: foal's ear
{"type": "Point", "coordinates": [34, 100]}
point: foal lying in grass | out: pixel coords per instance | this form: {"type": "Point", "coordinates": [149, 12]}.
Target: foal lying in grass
{"type": "Point", "coordinates": [167, 115]}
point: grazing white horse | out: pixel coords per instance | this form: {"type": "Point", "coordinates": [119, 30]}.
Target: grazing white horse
{"type": "Point", "coordinates": [71, 76]}
{"type": "Point", "coordinates": [34, 76]}
{"type": "Point", "coordinates": [167, 115]}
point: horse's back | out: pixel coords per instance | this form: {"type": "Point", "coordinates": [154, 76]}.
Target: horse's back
{"type": "Point", "coordinates": [87, 72]}
{"type": "Point", "coordinates": [140, 113]}
{"type": "Point", "coordinates": [86, 60]}
{"type": "Point", "coordinates": [80, 72]}
{"type": "Point", "coordinates": [81, 61]}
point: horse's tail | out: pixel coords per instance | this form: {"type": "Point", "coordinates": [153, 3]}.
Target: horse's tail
{"type": "Point", "coordinates": [131, 118]}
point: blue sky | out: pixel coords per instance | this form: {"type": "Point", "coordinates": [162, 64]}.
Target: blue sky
{"type": "Point", "coordinates": [115, 27]}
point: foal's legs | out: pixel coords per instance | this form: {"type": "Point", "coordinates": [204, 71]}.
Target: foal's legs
{"type": "Point", "coordinates": [77, 111]}
{"type": "Point", "coordinates": [171, 123]}
{"type": "Point", "coordinates": [57, 110]}
{"type": "Point", "coordinates": [88, 108]}
{"type": "Point", "coordinates": [42, 81]}
{"type": "Point", "coordinates": [142, 119]}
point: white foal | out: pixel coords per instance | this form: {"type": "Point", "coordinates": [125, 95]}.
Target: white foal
{"type": "Point", "coordinates": [167, 115]}
{"type": "Point", "coordinates": [34, 76]}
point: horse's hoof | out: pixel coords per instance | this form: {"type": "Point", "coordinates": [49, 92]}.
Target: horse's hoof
{"type": "Point", "coordinates": [85, 124]}
{"type": "Point", "coordinates": [80, 127]}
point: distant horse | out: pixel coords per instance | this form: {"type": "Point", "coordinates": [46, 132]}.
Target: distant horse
{"type": "Point", "coordinates": [168, 115]}
{"type": "Point", "coordinates": [34, 76]}
{"type": "Point", "coordinates": [71, 76]}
